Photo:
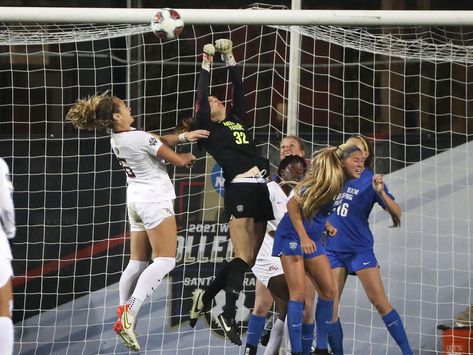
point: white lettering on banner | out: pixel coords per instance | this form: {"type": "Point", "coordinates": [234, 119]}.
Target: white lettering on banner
{"type": "Point", "coordinates": [208, 228]}
{"type": "Point", "coordinates": [217, 248]}
{"type": "Point", "coordinates": [203, 243]}
{"type": "Point", "coordinates": [197, 281]}
{"type": "Point", "coordinates": [188, 250]}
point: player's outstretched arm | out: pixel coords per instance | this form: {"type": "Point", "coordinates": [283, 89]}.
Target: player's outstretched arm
{"type": "Point", "coordinates": [183, 159]}
{"type": "Point", "coordinates": [208, 56]}
{"type": "Point", "coordinates": [171, 140]}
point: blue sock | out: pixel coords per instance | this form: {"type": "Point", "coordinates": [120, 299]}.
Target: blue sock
{"type": "Point", "coordinates": [396, 329]}
{"type": "Point", "coordinates": [294, 325]}
{"type": "Point", "coordinates": [323, 318]}
{"type": "Point", "coordinates": [307, 337]}
{"type": "Point", "coordinates": [255, 329]}
{"type": "Point", "coordinates": [335, 338]}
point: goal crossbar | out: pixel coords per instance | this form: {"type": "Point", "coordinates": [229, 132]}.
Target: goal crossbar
{"type": "Point", "coordinates": [239, 16]}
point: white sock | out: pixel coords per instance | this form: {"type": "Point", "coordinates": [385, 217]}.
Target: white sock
{"type": "Point", "coordinates": [275, 338]}
{"type": "Point", "coordinates": [129, 278]}
{"type": "Point", "coordinates": [149, 281]}
{"type": "Point", "coordinates": [6, 336]}
{"type": "Point", "coordinates": [287, 341]}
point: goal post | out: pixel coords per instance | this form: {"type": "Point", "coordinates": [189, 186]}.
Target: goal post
{"type": "Point", "coordinates": [401, 78]}
{"type": "Point", "coordinates": [241, 16]}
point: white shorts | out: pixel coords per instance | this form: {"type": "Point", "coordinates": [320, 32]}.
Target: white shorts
{"type": "Point", "coordinates": [266, 268]}
{"type": "Point", "coordinates": [6, 271]}
{"type": "Point", "coordinates": [148, 215]}
{"type": "Point", "coordinates": [266, 265]}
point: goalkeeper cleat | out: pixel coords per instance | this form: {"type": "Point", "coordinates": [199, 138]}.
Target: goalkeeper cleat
{"type": "Point", "coordinates": [230, 328]}
{"type": "Point", "coordinates": [125, 326]}
{"type": "Point", "coordinates": [197, 306]}
{"type": "Point", "coordinates": [465, 318]}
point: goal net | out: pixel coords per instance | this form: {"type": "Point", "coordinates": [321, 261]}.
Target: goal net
{"type": "Point", "coordinates": [406, 88]}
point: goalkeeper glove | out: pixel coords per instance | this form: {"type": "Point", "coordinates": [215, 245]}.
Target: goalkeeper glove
{"type": "Point", "coordinates": [224, 47]}
{"type": "Point", "coordinates": [208, 56]}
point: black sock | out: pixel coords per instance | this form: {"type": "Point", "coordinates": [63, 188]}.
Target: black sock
{"type": "Point", "coordinates": [216, 285]}
{"type": "Point", "coordinates": [233, 286]}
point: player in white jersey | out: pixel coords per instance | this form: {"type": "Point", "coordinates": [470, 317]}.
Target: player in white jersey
{"type": "Point", "coordinates": [268, 269]}
{"type": "Point", "coordinates": [7, 231]}
{"type": "Point", "coordinates": [150, 195]}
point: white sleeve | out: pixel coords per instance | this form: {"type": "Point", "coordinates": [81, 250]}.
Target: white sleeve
{"type": "Point", "coordinates": [7, 211]}
{"type": "Point", "coordinates": [151, 143]}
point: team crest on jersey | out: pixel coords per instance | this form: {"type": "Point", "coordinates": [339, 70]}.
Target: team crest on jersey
{"type": "Point", "coordinates": [239, 208]}
{"type": "Point", "coordinates": [153, 141]}
{"type": "Point", "coordinates": [292, 245]}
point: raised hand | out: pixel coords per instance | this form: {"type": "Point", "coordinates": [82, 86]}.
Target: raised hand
{"type": "Point", "coordinates": [225, 48]}
{"type": "Point", "coordinates": [208, 56]}
{"type": "Point", "coordinates": [378, 183]}
{"type": "Point", "coordinates": [193, 136]}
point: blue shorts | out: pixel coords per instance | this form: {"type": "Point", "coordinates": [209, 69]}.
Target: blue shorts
{"type": "Point", "coordinates": [291, 246]}
{"type": "Point", "coordinates": [352, 261]}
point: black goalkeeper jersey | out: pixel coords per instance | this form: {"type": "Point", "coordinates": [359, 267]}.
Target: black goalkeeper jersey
{"type": "Point", "coordinates": [229, 141]}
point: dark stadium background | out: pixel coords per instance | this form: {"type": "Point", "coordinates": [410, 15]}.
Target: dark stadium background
{"type": "Point", "coordinates": [68, 266]}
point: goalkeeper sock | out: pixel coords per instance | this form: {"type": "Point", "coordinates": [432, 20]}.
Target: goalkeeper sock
{"type": "Point", "coordinates": [216, 285]}
{"type": "Point", "coordinates": [6, 337]}
{"type": "Point", "coordinates": [129, 278]}
{"type": "Point", "coordinates": [233, 286]}
{"type": "Point", "coordinates": [149, 281]}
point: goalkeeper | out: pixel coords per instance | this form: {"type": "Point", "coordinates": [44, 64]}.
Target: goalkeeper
{"type": "Point", "coordinates": [246, 200]}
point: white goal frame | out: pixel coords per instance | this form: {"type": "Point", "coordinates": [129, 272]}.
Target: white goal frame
{"type": "Point", "coordinates": [288, 20]}
{"type": "Point", "coordinates": [281, 17]}
{"type": "Point", "coordinates": [240, 16]}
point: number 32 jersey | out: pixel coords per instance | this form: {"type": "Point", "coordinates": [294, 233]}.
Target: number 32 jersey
{"type": "Point", "coordinates": [229, 141]}
{"type": "Point", "coordinates": [350, 215]}
{"type": "Point", "coordinates": [147, 177]}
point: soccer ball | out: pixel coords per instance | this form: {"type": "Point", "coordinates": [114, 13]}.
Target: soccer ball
{"type": "Point", "coordinates": [167, 24]}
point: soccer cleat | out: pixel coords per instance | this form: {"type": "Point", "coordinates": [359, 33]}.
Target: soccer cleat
{"type": "Point", "coordinates": [265, 337]}
{"type": "Point", "coordinates": [125, 326]}
{"type": "Point", "coordinates": [230, 329]}
{"type": "Point", "coordinates": [465, 318]}
{"type": "Point", "coordinates": [197, 306]}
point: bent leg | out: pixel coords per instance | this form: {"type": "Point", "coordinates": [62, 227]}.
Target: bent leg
{"type": "Point", "coordinates": [373, 285]}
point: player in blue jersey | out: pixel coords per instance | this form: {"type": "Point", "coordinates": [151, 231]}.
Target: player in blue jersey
{"type": "Point", "coordinates": [299, 236]}
{"type": "Point", "coordinates": [350, 251]}
{"type": "Point", "coordinates": [270, 280]}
